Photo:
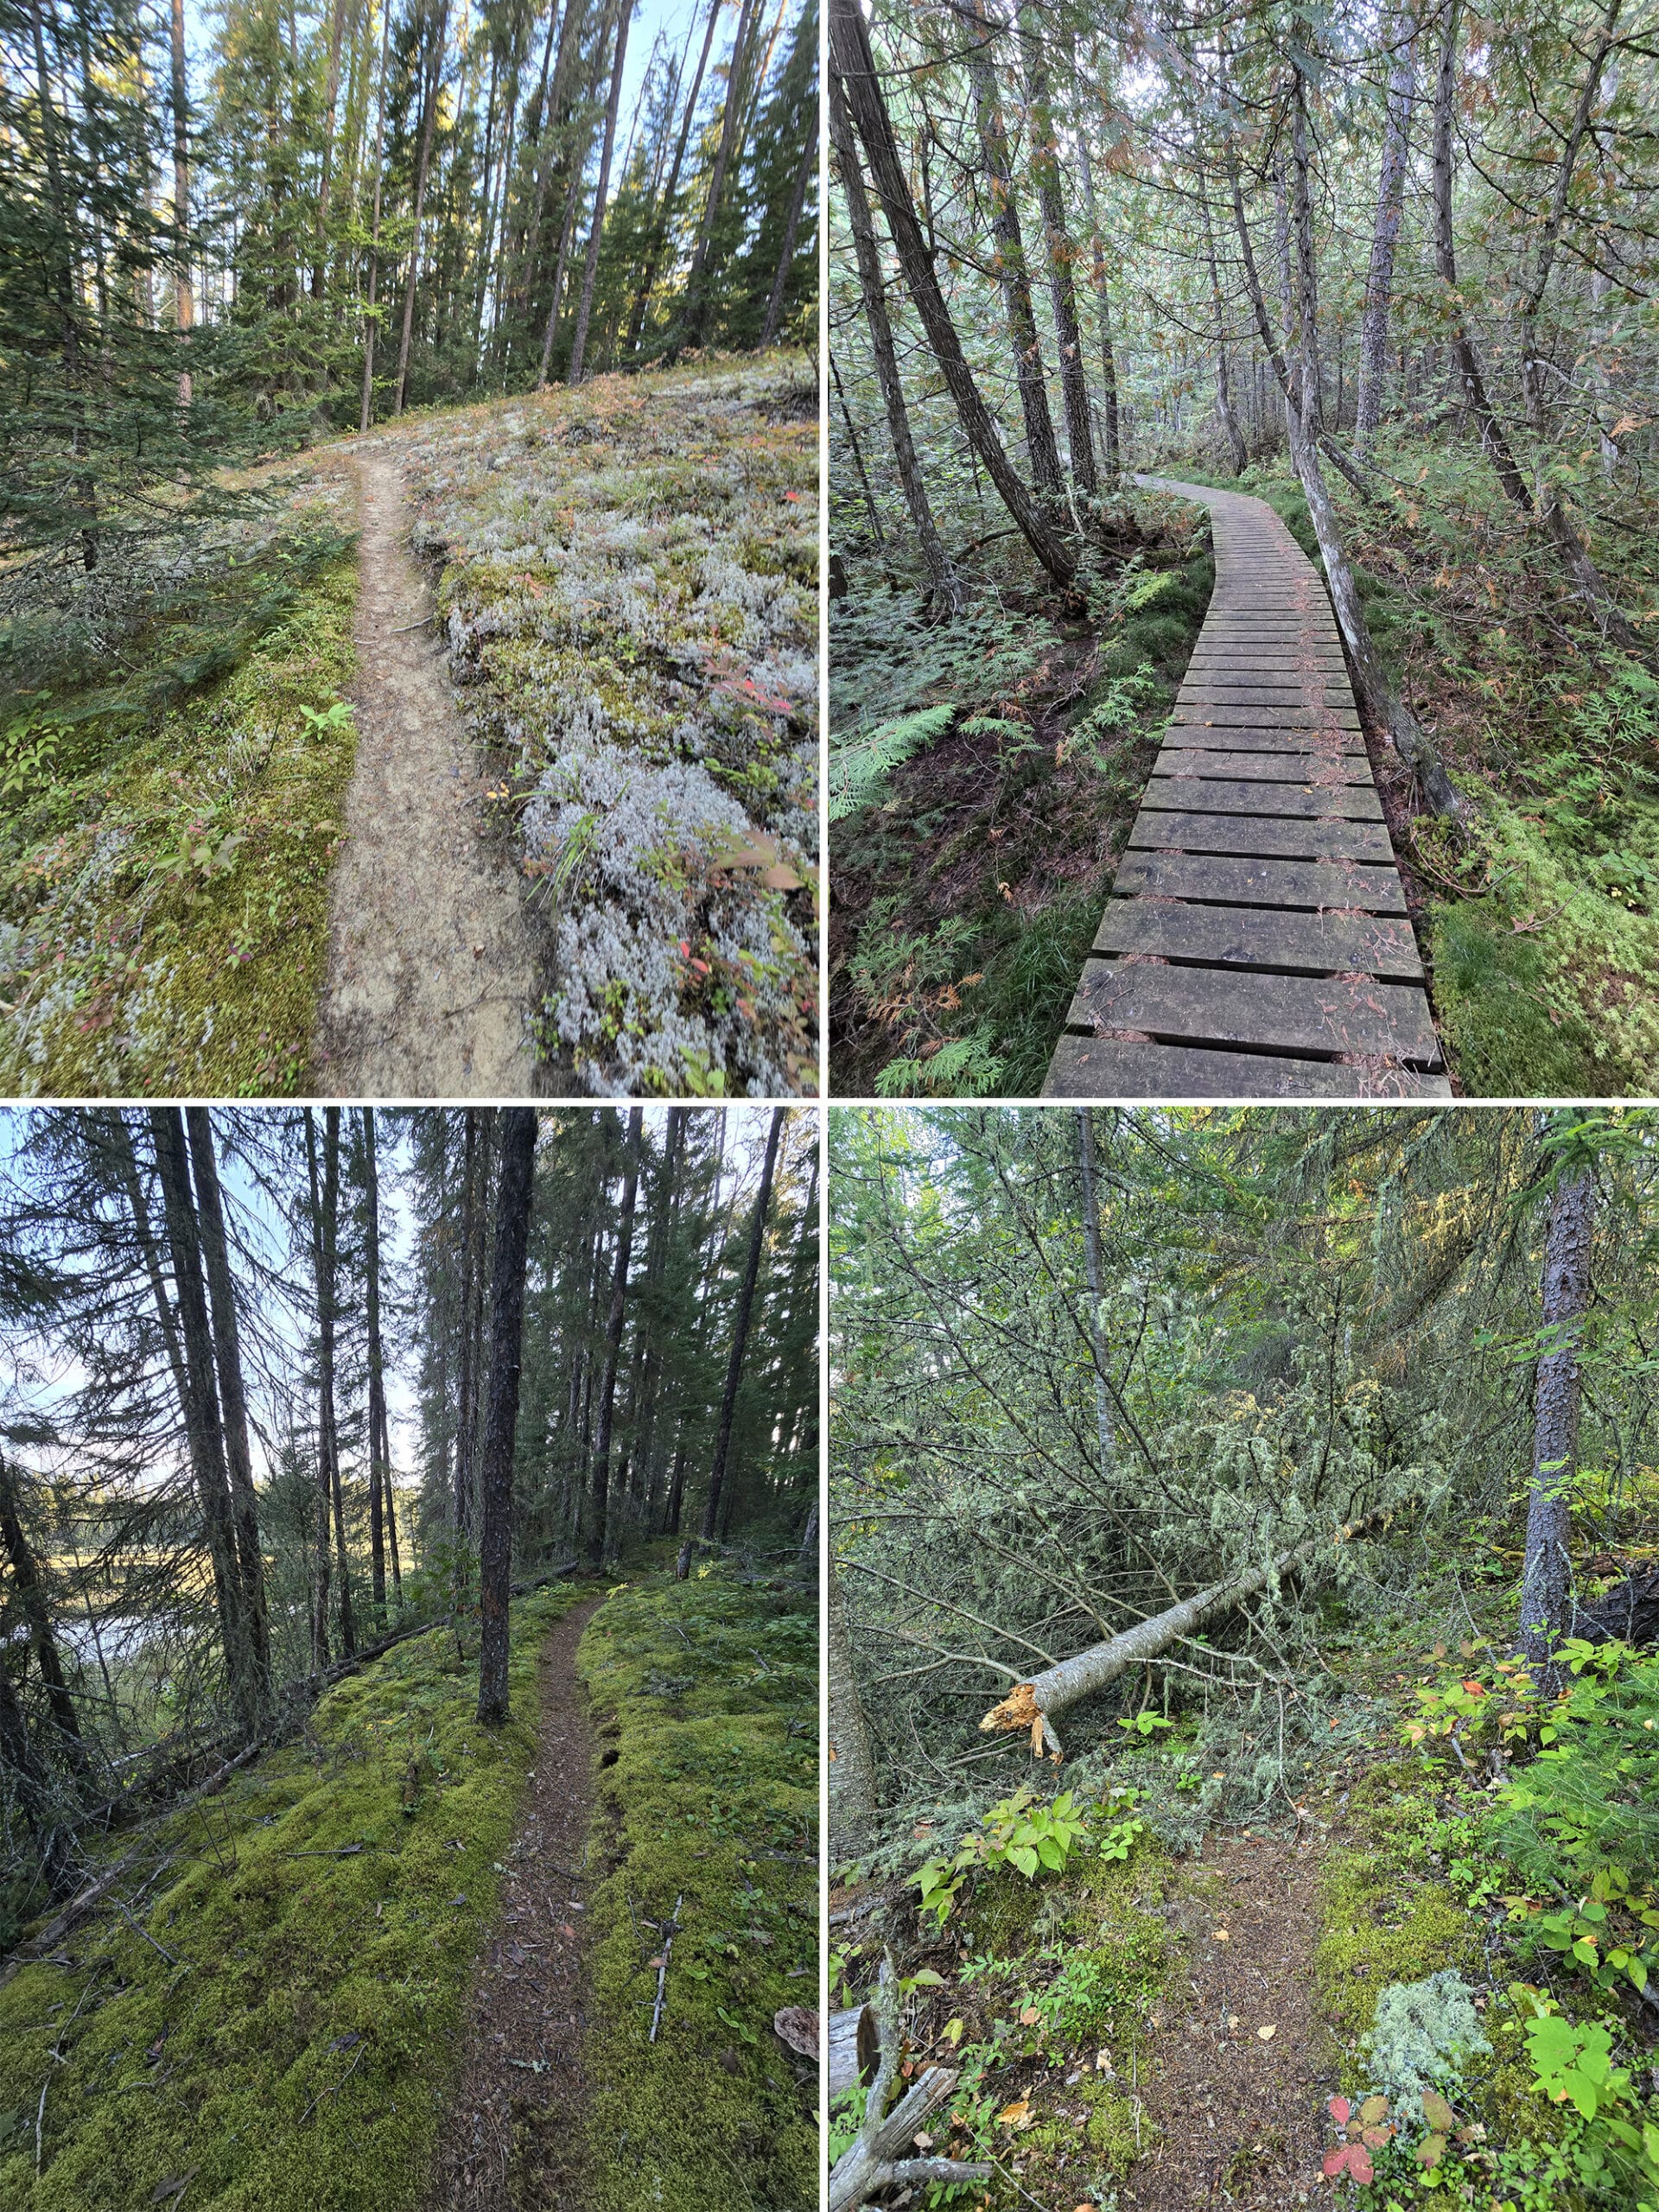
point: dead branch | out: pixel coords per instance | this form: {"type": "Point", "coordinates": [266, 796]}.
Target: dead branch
{"type": "Point", "coordinates": [874, 2161]}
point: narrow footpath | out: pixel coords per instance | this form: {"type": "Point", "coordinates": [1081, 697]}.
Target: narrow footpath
{"type": "Point", "coordinates": [1256, 942]}
{"type": "Point", "coordinates": [1236, 2084]}
{"type": "Point", "coordinates": [512, 2133]}
{"type": "Point", "coordinates": [429, 976]}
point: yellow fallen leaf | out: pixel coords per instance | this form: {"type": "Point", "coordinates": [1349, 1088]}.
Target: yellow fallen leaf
{"type": "Point", "coordinates": [951, 2032]}
{"type": "Point", "coordinates": [1266, 2033]}
{"type": "Point", "coordinates": [1222, 1937]}
{"type": "Point", "coordinates": [1030, 2016]}
{"type": "Point", "coordinates": [1016, 2115]}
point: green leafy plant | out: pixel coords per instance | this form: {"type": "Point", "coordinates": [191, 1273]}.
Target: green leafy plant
{"type": "Point", "coordinates": [28, 748]}
{"type": "Point", "coordinates": [859, 767]}
{"type": "Point", "coordinates": [323, 721]}
{"type": "Point", "coordinates": [1020, 1832]}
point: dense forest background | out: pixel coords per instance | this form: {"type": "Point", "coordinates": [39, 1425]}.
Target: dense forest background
{"type": "Point", "coordinates": [1265, 1496]}
{"type": "Point", "coordinates": [250, 1373]}
{"type": "Point", "coordinates": [1388, 267]}
{"type": "Point", "coordinates": [224, 234]}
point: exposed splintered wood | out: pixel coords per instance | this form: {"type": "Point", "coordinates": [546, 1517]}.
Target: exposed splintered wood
{"type": "Point", "coordinates": [1257, 941]}
{"type": "Point", "coordinates": [854, 2048]}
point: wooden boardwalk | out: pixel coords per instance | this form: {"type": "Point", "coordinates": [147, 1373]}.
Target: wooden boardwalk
{"type": "Point", "coordinates": [1256, 942]}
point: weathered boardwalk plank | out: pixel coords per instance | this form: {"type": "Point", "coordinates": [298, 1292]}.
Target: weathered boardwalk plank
{"type": "Point", "coordinates": [1256, 943]}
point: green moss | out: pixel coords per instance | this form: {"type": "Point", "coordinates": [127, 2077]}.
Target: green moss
{"type": "Point", "coordinates": [153, 957]}
{"type": "Point", "coordinates": [1106, 2132]}
{"type": "Point", "coordinates": [1382, 1921]}
{"type": "Point", "coordinates": [302, 2039]}
{"type": "Point", "coordinates": [707, 1795]}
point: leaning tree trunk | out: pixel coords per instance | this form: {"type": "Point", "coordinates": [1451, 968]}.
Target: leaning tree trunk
{"type": "Point", "coordinates": [1033, 1705]}
{"type": "Point", "coordinates": [853, 63]}
{"type": "Point", "coordinates": [1546, 1577]}
{"type": "Point", "coordinates": [500, 1421]}
{"type": "Point", "coordinates": [852, 1770]}
{"type": "Point", "coordinates": [943, 584]}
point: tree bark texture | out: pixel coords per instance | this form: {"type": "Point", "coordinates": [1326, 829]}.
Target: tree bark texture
{"type": "Point", "coordinates": [579, 343]}
{"type": "Point", "coordinates": [1546, 1575]}
{"type": "Point", "coordinates": [741, 1328]}
{"type": "Point", "coordinates": [602, 1536]}
{"type": "Point", "coordinates": [1385, 232]}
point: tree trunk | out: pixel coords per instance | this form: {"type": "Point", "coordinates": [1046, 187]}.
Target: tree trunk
{"type": "Point", "coordinates": [579, 343]}
{"type": "Point", "coordinates": [1385, 233]}
{"type": "Point", "coordinates": [602, 1536]}
{"type": "Point", "coordinates": [328, 1306]}
{"type": "Point", "coordinates": [320, 1612]}
{"type": "Point", "coordinates": [1547, 1575]}
{"type": "Point", "coordinates": [805, 173]}
{"type": "Point", "coordinates": [696, 287]}
{"type": "Point", "coordinates": [430, 117]}
{"type": "Point", "coordinates": [1112, 459]}
{"type": "Point", "coordinates": [506, 1329]}
{"type": "Point", "coordinates": [943, 583]}
{"type": "Point", "coordinates": [466, 1384]}
{"type": "Point", "coordinates": [1034, 1704]}
{"type": "Point", "coordinates": [741, 1328]}
{"type": "Point", "coordinates": [1105, 1432]}
{"type": "Point", "coordinates": [663, 1220]}
{"type": "Point", "coordinates": [1041, 451]}
{"type": "Point", "coordinates": [851, 1771]}
{"type": "Point", "coordinates": [232, 1397]}
{"type": "Point", "coordinates": [184, 296]}
{"type": "Point", "coordinates": [379, 1472]}
{"type": "Point", "coordinates": [374, 234]}
{"type": "Point", "coordinates": [204, 1437]}
{"type": "Point", "coordinates": [1062, 290]}
{"type": "Point", "coordinates": [665, 214]}
{"type": "Point", "coordinates": [853, 64]}
{"type": "Point", "coordinates": [330, 101]}
{"type": "Point", "coordinates": [31, 1597]}
{"type": "Point", "coordinates": [1224, 395]}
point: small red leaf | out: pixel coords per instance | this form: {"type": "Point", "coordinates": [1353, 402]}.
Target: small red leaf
{"type": "Point", "coordinates": [1340, 2108]}
{"type": "Point", "coordinates": [1359, 2163]}
{"type": "Point", "coordinates": [1336, 2162]}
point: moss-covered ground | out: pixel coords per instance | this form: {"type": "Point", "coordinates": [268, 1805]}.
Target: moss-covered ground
{"type": "Point", "coordinates": [271, 2028]}
{"type": "Point", "coordinates": [705, 1699]}
{"type": "Point", "coordinates": [174, 761]}
{"type": "Point", "coordinates": [969, 882]}
{"type": "Point", "coordinates": [630, 591]}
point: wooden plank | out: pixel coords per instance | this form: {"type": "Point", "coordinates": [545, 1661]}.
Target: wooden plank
{"type": "Point", "coordinates": [1263, 836]}
{"type": "Point", "coordinates": [1211, 691]}
{"type": "Point", "coordinates": [1261, 883]}
{"type": "Point", "coordinates": [1215, 1005]}
{"type": "Point", "coordinates": [1204, 795]}
{"type": "Point", "coordinates": [1250, 938]}
{"type": "Point", "coordinates": [1315, 744]}
{"type": "Point", "coordinates": [1101, 1067]}
{"type": "Point", "coordinates": [1299, 767]}
{"type": "Point", "coordinates": [1206, 714]}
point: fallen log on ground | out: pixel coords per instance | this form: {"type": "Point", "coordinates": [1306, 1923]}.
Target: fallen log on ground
{"type": "Point", "coordinates": [874, 2161]}
{"type": "Point", "coordinates": [1629, 1611]}
{"type": "Point", "coordinates": [854, 2048]}
{"type": "Point", "coordinates": [1033, 1705]}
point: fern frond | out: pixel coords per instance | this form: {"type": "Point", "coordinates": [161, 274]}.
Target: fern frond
{"type": "Point", "coordinates": [859, 766]}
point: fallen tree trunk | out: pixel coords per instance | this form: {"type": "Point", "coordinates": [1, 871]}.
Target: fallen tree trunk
{"type": "Point", "coordinates": [1629, 1611]}
{"type": "Point", "coordinates": [1033, 1704]}
{"type": "Point", "coordinates": [854, 2048]}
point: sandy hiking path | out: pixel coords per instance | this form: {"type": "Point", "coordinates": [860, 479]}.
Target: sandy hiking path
{"type": "Point", "coordinates": [511, 2134]}
{"type": "Point", "coordinates": [429, 979]}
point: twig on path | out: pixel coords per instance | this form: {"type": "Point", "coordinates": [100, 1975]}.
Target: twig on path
{"type": "Point", "coordinates": [39, 2114]}
{"type": "Point", "coordinates": [421, 624]}
{"type": "Point", "coordinates": [662, 1967]}
{"type": "Point", "coordinates": [335, 2089]}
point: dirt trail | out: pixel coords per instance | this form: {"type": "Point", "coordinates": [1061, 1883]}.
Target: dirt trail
{"type": "Point", "coordinates": [429, 973]}
{"type": "Point", "coordinates": [511, 2134]}
{"type": "Point", "coordinates": [1239, 2113]}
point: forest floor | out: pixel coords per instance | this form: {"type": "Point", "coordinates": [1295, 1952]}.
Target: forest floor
{"type": "Point", "coordinates": [612, 718]}
{"type": "Point", "coordinates": [428, 986]}
{"type": "Point", "coordinates": [405, 1962]}
{"type": "Point", "coordinates": [1166, 2030]}
{"type": "Point", "coordinates": [967, 880]}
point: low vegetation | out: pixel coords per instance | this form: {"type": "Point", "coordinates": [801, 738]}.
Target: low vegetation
{"type": "Point", "coordinates": [705, 1694]}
